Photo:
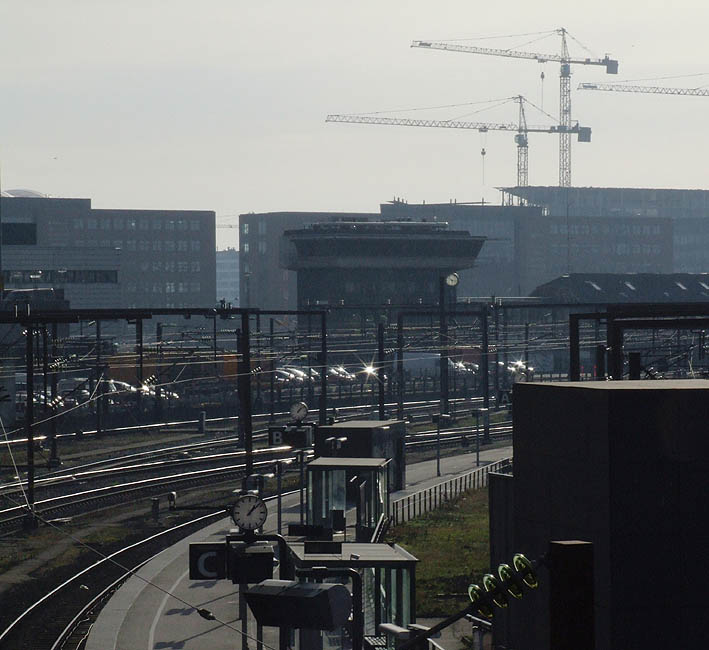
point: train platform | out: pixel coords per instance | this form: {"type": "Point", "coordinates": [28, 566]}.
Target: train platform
{"type": "Point", "coordinates": [156, 608]}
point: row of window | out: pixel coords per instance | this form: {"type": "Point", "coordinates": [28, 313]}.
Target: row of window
{"type": "Point", "coordinates": [261, 228]}
{"type": "Point", "coordinates": [168, 245]}
{"type": "Point", "coordinates": [162, 287]}
{"type": "Point", "coordinates": [61, 276]}
{"type": "Point", "coordinates": [170, 266]}
{"type": "Point", "coordinates": [130, 223]}
{"type": "Point", "coordinates": [606, 229]}
{"type": "Point", "coordinates": [245, 247]}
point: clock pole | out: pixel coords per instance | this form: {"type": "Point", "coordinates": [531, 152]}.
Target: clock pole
{"type": "Point", "coordinates": [245, 392]}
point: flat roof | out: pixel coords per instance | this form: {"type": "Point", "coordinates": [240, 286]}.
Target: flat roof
{"type": "Point", "coordinates": [370, 555]}
{"type": "Point", "coordinates": [327, 462]}
{"type": "Point", "coordinates": [630, 384]}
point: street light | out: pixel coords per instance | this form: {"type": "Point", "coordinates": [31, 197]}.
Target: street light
{"type": "Point", "coordinates": [478, 412]}
{"type": "Point", "coordinates": [437, 419]}
{"type": "Point", "coordinates": [450, 280]}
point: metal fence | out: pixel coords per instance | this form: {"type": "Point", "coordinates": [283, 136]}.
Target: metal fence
{"type": "Point", "coordinates": [433, 497]}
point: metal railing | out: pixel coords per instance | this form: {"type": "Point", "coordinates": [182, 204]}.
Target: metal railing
{"type": "Point", "coordinates": [424, 501]}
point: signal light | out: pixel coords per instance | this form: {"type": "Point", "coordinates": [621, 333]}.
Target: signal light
{"type": "Point", "coordinates": [511, 581]}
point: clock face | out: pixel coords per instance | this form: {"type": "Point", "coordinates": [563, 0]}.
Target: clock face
{"type": "Point", "coordinates": [299, 411]}
{"type": "Point", "coordinates": [249, 512]}
{"type": "Point", "coordinates": [452, 279]}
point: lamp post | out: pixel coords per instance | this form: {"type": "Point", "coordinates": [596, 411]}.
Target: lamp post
{"type": "Point", "coordinates": [450, 280]}
{"type": "Point", "coordinates": [437, 419]}
{"type": "Point", "coordinates": [478, 412]}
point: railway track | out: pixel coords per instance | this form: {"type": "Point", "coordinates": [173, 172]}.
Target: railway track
{"type": "Point", "coordinates": [92, 486]}
{"type": "Point", "coordinates": [97, 489]}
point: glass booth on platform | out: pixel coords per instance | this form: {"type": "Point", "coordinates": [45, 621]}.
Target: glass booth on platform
{"type": "Point", "coordinates": [388, 588]}
{"type": "Point", "coordinates": [336, 485]}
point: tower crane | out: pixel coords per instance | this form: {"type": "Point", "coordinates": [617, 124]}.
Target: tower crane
{"type": "Point", "coordinates": [521, 139]}
{"type": "Point", "coordinates": [651, 90]}
{"type": "Point", "coordinates": [565, 60]}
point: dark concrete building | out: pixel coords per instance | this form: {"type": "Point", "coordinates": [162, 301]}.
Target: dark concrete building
{"type": "Point", "coordinates": [361, 263]}
{"type": "Point", "coordinates": [623, 465]}
{"type": "Point", "coordinates": [525, 246]}
{"type": "Point", "coordinates": [108, 258]}
{"type": "Point", "coordinates": [263, 282]}
{"type": "Point", "coordinates": [688, 210]}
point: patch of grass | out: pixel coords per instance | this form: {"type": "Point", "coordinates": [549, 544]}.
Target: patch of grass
{"type": "Point", "coordinates": [452, 544]}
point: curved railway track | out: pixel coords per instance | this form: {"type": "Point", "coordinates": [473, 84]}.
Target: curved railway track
{"type": "Point", "coordinates": [84, 492]}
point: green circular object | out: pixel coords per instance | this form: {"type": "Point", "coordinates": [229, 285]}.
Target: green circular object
{"type": "Point", "coordinates": [505, 571]}
{"type": "Point", "coordinates": [492, 586]}
{"type": "Point", "coordinates": [475, 593]}
{"type": "Point", "coordinates": [525, 567]}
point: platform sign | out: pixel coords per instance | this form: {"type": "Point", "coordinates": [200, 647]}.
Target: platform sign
{"type": "Point", "coordinates": [296, 436]}
{"type": "Point", "coordinates": [208, 561]}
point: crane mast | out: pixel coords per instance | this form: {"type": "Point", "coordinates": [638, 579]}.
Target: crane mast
{"type": "Point", "coordinates": [565, 60]}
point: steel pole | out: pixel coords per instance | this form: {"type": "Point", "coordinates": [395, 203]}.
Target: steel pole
{"type": "Point", "coordinates": [245, 393]}
{"type": "Point", "coordinates": [443, 343]}
{"type": "Point", "coordinates": [322, 418]}
{"type": "Point", "coordinates": [53, 456]}
{"type": "Point", "coordinates": [400, 364]}
{"type": "Point", "coordinates": [29, 421]}
{"type": "Point", "coordinates": [380, 368]}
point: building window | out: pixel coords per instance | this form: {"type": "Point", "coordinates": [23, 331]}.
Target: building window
{"type": "Point", "coordinates": [118, 223]}
{"type": "Point", "coordinates": [195, 245]}
{"type": "Point", "coordinates": [144, 266]}
{"type": "Point", "coordinates": [157, 266]}
{"type": "Point", "coordinates": [157, 245]}
{"type": "Point", "coordinates": [182, 224]}
{"type": "Point", "coordinates": [262, 247]}
{"type": "Point", "coordinates": [143, 245]}
{"type": "Point", "coordinates": [169, 287]}
{"type": "Point", "coordinates": [105, 224]}
{"type": "Point", "coordinates": [182, 267]}
{"type": "Point", "coordinates": [170, 267]}
{"type": "Point", "coordinates": [170, 224]}
{"type": "Point", "coordinates": [144, 224]}
{"type": "Point", "coordinates": [78, 224]}
{"type": "Point", "coordinates": [182, 245]}
{"type": "Point", "coordinates": [130, 224]}
{"type": "Point", "coordinates": [169, 245]}
{"type": "Point", "coordinates": [194, 287]}
{"type": "Point", "coordinates": [105, 243]}
{"type": "Point", "coordinates": [157, 224]}
{"type": "Point", "coordinates": [244, 248]}
{"type": "Point", "coordinates": [195, 267]}
{"type": "Point", "coordinates": [91, 224]}
{"type": "Point", "coordinates": [130, 244]}
{"type": "Point", "coordinates": [194, 225]}
{"type": "Point", "coordinates": [182, 287]}
{"type": "Point", "coordinates": [245, 228]}
{"type": "Point", "coordinates": [157, 287]}
{"type": "Point", "coordinates": [261, 227]}
{"type": "Point", "coordinates": [117, 243]}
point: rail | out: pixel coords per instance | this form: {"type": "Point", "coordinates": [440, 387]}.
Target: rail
{"type": "Point", "coordinates": [423, 501]}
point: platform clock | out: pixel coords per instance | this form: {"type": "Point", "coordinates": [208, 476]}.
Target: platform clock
{"type": "Point", "coordinates": [249, 512]}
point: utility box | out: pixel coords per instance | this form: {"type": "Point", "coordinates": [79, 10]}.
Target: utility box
{"type": "Point", "coordinates": [367, 439]}
{"type": "Point", "coordinates": [249, 563]}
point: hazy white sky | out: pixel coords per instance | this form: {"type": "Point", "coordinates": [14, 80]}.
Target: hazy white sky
{"type": "Point", "coordinates": [220, 104]}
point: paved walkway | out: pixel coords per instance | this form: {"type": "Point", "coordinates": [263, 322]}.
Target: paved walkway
{"type": "Point", "coordinates": [144, 615]}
